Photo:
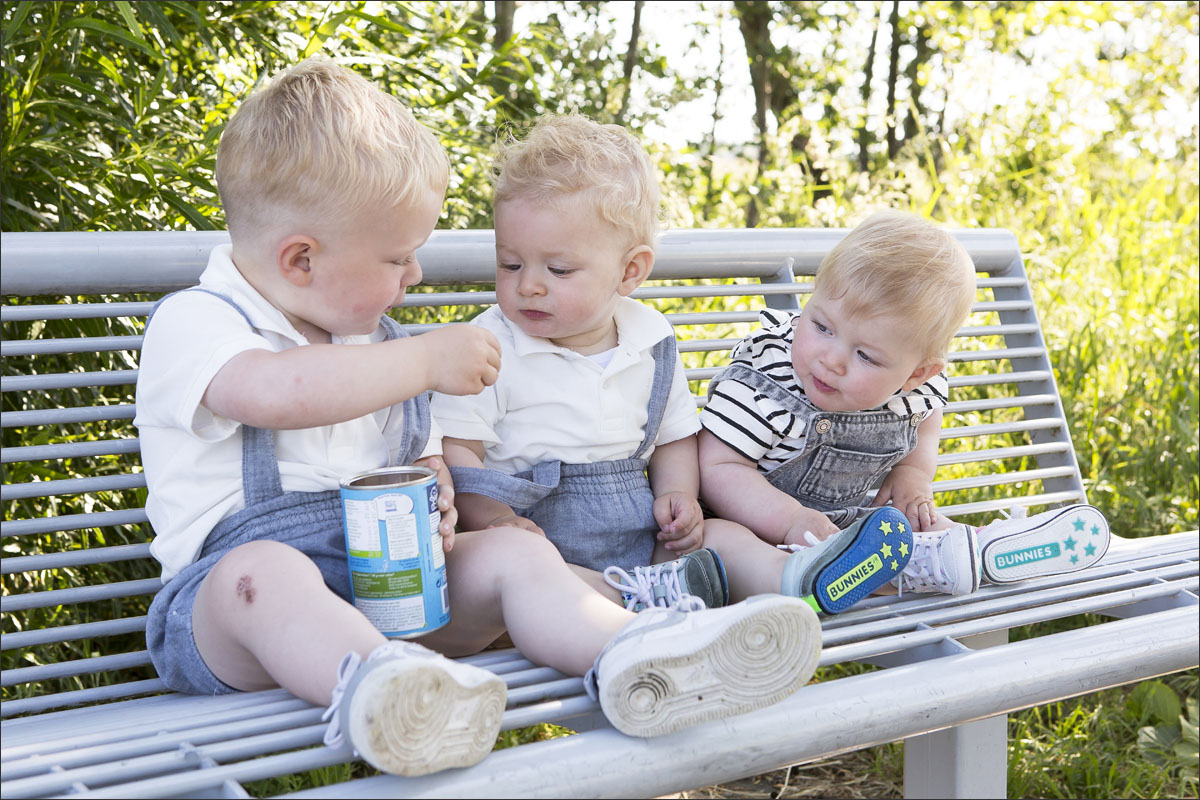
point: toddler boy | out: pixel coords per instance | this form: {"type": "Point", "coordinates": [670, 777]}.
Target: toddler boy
{"type": "Point", "coordinates": [280, 374]}
{"type": "Point", "coordinates": [588, 434]}
{"type": "Point", "coordinates": [816, 407]}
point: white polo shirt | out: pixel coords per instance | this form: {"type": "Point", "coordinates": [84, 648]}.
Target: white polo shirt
{"type": "Point", "coordinates": [193, 457]}
{"type": "Point", "coordinates": [551, 403]}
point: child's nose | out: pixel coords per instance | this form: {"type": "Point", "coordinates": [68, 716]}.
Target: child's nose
{"type": "Point", "coordinates": [530, 283]}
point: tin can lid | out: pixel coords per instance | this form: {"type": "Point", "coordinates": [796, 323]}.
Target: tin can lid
{"type": "Point", "coordinates": [389, 478]}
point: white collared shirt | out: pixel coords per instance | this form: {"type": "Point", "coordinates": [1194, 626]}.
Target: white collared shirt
{"type": "Point", "coordinates": [553, 404]}
{"type": "Point", "coordinates": [193, 457]}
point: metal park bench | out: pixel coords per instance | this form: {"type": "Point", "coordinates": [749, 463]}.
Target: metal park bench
{"type": "Point", "coordinates": [85, 715]}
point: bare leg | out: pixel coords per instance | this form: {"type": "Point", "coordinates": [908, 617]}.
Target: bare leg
{"type": "Point", "coordinates": [264, 617]}
{"type": "Point", "coordinates": [751, 565]}
{"type": "Point", "coordinates": [596, 581]}
{"type": "Point", "coordinates": [510, 578]}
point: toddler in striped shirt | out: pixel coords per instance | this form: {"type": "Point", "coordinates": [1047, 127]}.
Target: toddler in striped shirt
{"type": "Point", "coordinates": [819, 407]}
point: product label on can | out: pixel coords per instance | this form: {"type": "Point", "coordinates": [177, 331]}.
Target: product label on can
{"type": "Point", "coordinates": [397, 566]}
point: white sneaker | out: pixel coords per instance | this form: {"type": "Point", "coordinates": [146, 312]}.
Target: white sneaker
{"type": "Point", "coordinates": [1051, 543]}
{"type": "Point", "coordinates": [669, 669]}
{"type": "Point", "coordinates": [700, 574]}
{"type": "Point", "coordinates": [942, 561]}
{"type": "Point", "coordinates": [410, 711]}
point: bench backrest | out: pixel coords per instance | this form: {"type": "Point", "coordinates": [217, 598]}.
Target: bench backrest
{"type": "Point", "coordinates": [76, 569]}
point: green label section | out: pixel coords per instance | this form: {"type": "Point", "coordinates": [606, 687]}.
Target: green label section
{"type": "Point", "coordinates": [845, 584]}
{"type": "Point", "coordinates": [386, 585]}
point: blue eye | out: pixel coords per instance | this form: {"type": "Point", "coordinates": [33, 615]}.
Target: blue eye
{"type": "Point", "coordinates": [559, 271]}
{"type": "Point", "coordinates": [508, 267]}
{"type": "Point", "coordinates": [865, 357]}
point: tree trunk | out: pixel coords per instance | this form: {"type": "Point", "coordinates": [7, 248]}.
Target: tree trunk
{"type": "Point", "coordinates": [893, 73]}
{"type": "Point", "coordinates": [754, 20]}
{"type": "Point", "coordinates": [912, 120]}
{"type": "Point", "coordinates": [631, 59]}
{"type": "Point", "coordinates": [864, 163]}
{"type": "Point", "coordinates": [504, 22]}
{"type": "Point", "coordinates": [709, 189]}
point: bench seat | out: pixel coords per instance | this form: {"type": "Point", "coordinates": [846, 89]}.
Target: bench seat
{"type": "Point", "coordinates": [84, 714]}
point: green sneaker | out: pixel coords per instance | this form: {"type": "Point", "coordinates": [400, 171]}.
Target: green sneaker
{"type": "Point", "coordinates": [700, 574]}
{"type": "Point", "coordinates": [835, 574]}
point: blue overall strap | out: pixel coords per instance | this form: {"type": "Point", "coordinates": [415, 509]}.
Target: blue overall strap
{"type": "Point", "coordinates": [660, 390]}
{"type": "Point", "coordinates": [417, 419]}
{"type": "Point", "coordinates": [260, 468]}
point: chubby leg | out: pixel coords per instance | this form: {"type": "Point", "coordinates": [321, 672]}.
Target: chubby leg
{"type": "Point", "coordinates": [510, 578]}
{"type": "Point", "coordinates": [263, 617]}
{"type": "Point", "coordinates": [752, 565]}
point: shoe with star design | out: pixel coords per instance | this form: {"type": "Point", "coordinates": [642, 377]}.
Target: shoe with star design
{"type": "Point", "coordinates": [1054, 542]}
{"type": "Point", "coordinates": [836, 573]}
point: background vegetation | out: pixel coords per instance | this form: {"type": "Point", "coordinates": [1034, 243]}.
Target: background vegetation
{"type": "Point", "coordinates": [1072, 124]}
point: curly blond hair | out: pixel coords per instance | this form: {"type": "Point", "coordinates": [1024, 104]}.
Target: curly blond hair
{"type": "Point", "coordinates": [570, 155]}
{"type": "Point", "coordinates": [899, 263]}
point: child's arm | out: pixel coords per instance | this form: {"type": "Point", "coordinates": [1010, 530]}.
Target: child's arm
{"type": "Point", "coordinates": [324, 384]}
{"type": "Point", "coordinates": [476, 511]}
{"type": "Point", "coordinates": [675, 481]}
{"type": "Point", "coordinates": [735, 489]}
{"type": "Point", "coordinates": [909, 484]}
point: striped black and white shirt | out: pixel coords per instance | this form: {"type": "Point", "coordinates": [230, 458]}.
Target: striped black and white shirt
{"type": "Point", "coordinates": [758, 427]}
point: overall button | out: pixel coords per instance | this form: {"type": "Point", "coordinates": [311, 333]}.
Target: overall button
{"type": "Point", "coordinates": [823, 426]}
{"type": "Point", "coordinates": [918, 418]}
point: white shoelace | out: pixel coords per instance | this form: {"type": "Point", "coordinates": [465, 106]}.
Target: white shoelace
{"type": "Point", "coordinates": [639, 587]}
{"type": "Point", "coordinates": [348, 666]}
{"type": "Point", "coordinates": [925, 568]}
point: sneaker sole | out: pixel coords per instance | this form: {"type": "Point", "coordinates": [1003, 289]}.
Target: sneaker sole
{"type": "Point", "coordinates": [752, 654]}
{"type": "Point", "coordinates": [414, 719]}
{"type": "Point", "coordinates": [1059, 545]}
{"type": "Point", "coordinates": [878, 552]}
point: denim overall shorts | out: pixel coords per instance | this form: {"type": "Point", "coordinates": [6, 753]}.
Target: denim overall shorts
{"type": "Point", "coordinates": [311, 522]}
{"type": "Point", "coordinates": [845, 455]}
{"type": "Point", "coordinates": [598, 515]}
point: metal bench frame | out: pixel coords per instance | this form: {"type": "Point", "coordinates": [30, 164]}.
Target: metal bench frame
{"type": "Point", "coordinates": [950, 674]}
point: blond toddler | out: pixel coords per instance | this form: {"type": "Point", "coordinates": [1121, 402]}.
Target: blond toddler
{"type": "Point", "coordinates": [281, 374]}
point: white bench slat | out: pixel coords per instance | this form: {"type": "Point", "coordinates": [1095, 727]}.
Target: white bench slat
{"type": "Point", "coordinates": [74, 522]}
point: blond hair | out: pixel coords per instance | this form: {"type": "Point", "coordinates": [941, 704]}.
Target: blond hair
{"type": "Point", "coordinates": [319, 141]}
{"type": "Point", "coordinates": [573, 156]}
{"type": "Point", "coordinates": [898, 263]}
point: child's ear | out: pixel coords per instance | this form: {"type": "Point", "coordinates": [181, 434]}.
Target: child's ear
{"type": "Point", "coordinates": [293, 259]}
{"type": "Point", "coordinates": [924, 371]}
{"type": "Point", "coordinates": [638, 263]}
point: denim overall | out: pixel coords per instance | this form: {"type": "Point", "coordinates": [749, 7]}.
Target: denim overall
{"type": "Point", "coordinates": [845, 454]}
{"type": "Point", "coordinates": [599, 514]}
{"type": "Point", "coordinates": [311, 522]}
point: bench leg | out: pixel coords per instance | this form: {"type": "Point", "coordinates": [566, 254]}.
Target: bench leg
{"type": "Point", "coordinates": [968, 760]}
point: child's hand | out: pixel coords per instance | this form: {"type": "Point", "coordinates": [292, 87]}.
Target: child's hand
{"type": "Point", "coordinates": [445, 498]}
{"type": "Point", "coordinates": [681, 522]}
{"type": "Point", "coordinates": [807, 521]}
{"type": "Point", "coordinates": [463, 359]}
{"type": "Point", "coordinates": [910, 490]}
{"type": "Point", "coordinates": [513, 521]}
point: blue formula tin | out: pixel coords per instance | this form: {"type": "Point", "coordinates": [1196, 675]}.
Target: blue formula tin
{"type": "Point", "coordinates": [397, 567]}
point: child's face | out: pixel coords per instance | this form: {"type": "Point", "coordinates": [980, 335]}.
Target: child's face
{"type": "Point", "coordinates": [850, 363]}
{"type": "Point", "coordinates": [559, 272]}
{"type": "Point", "coordinates": [362, 271]}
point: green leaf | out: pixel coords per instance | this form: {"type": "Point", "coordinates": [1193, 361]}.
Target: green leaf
{"type": "Point", "coordinates": [112, 32]}
{"type": "Point", "coordinates": [125, 9]}
{"type": "Point", "coordinates": [1154, 701]}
